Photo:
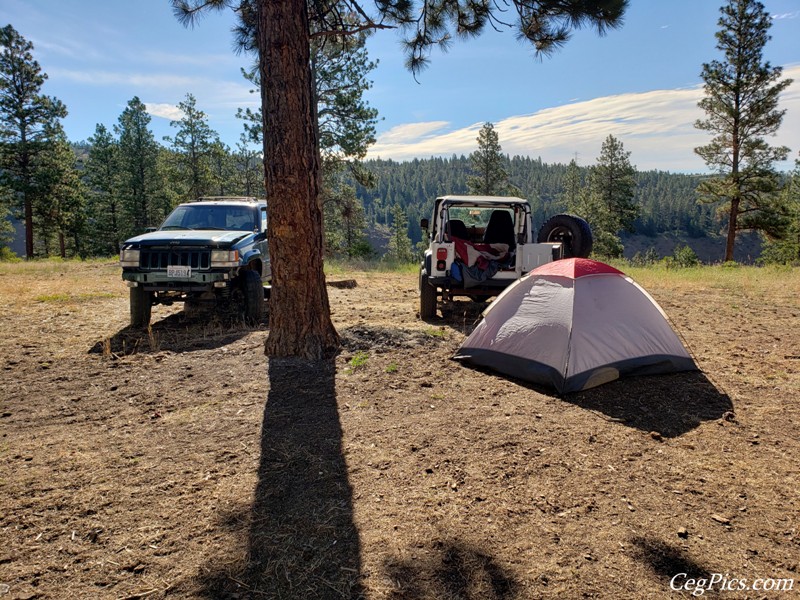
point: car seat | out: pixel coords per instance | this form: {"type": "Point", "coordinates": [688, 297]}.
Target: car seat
{"type": "Point", "coordinates": [500, 229]}
{"type": "Point", "coordinates": [456, 228]}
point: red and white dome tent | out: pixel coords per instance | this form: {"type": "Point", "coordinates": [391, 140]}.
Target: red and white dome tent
{"type": "Point", "coordinates": [575, 324]}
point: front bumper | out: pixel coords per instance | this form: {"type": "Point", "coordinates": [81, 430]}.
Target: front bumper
{"type": "Point", "coordinates": [158, 281]}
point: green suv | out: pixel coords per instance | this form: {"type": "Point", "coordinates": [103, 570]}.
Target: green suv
{"type": "Point", "coordinates": [211, 251]}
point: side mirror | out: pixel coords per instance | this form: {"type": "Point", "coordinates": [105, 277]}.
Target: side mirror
{"type": "Point", "coordinates": [423, 223]}
{"type": "Point", "coordinates": [150, 229]}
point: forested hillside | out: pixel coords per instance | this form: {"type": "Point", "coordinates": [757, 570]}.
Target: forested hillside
{"type": "Point", "coordinates": [668, 201]}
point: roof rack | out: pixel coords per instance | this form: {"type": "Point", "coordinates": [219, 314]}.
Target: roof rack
{"type": "Point", "coordinates": [224, 198]}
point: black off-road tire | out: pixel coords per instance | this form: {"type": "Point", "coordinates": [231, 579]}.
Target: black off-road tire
{"type": "Point", "coordinates": [252, 297]}
{"type": "Point", "coordinates": [427, 297]}
{"type": "Point", "coordinates": [141, 307]}
{"type": "Point", "coordinates": [573, 232]}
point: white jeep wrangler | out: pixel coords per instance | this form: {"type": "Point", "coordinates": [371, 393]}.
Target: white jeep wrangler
{"type": "Point", "coordinates": [479, 245]}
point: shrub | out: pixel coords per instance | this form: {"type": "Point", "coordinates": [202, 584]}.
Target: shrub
{"type": "Point", "coordinates": [682, 257]}
{"type": "Point", "coordinates": [7, 255]}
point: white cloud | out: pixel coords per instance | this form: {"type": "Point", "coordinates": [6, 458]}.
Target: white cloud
{"type": "Point", "coordinates": [657, 127]}
{"type": "Point", "coordinates": [402, 134]}
{"type": "Point", "coordinates": [165, 111]}
{"type": "Point", "coordinates": [132, 80]}
{"type": "Point", "coordinates": [212, 94]}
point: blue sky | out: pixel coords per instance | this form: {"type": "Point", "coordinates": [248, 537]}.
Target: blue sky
{"type": "Point", "coordinates": [639, 83]}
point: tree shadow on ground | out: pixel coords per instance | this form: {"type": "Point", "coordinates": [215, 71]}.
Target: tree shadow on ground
{"type": "Point", "coordinates": [179, 332]}
{"type": "Point", "coordinates": [452, 570]}
{"type": "Point", "coordinates": [302, 542]}
{"type": "Point", "coordinates": [461, 314]}
{"type": "Point", "coordinates": [666, 561]}
{"type": "Point", "coordinates": [670, 405]}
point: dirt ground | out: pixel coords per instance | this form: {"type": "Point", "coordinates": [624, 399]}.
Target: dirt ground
{"type": "Point", "coordinates": [179, 464]}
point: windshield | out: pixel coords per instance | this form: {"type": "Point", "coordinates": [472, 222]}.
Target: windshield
{"type": "Point", "coordinates": [475, 216]}
{"type": "Point", "coordinates": [212, 216]}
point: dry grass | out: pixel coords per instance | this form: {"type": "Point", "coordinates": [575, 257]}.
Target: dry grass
{"type": "Point", "coordinates": [177, 463]}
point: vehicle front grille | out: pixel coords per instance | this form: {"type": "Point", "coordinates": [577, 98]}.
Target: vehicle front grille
{"type": "Point", "coordinates": [154, 259]}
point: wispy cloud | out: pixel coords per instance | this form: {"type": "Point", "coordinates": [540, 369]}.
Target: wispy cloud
{"type": "Point", "coordinates": [216, 94]}
{"type": "Point", "coordinates": [70, 49]}
{"type": "Point", "coordinates": [789, 15]}
{"type": "Point", "coordinates": [102, 78]}
{"type": "Point", "coordinates": [412, 131]}
{"type": "Point", "coordinates": [657, 127]}
{"type": "Point", "coordinates": [165, 111]}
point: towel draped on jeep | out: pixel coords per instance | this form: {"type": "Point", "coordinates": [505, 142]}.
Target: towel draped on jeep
{"type": "Point", "coordinates": [477, 262]}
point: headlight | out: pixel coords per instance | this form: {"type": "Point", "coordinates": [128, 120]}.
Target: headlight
{"type": "Point", "coordinates": [224, 258]}
{"type": "Point", "coordinates": [129, 258]}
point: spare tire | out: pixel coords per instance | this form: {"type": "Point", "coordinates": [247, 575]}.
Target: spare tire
{"type": "Point", "coordinates": [573, 232]}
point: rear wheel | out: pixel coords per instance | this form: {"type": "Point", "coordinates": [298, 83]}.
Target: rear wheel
{"type": "Point", "coordinates": [141, 306]}
{"type": "Point", "coordinates": [427, 297]}
{"type": "Point", "coordinates": [572, 232]}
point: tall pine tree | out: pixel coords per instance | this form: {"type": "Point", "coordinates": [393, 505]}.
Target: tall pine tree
{"type": "Point", "coordinates": [490, 177]}
{"type": "Point", "coordinates": [28, 124]}
{"type": "Point", "coordinates": [741, 106]}
{"type": "Point", "coordinates": [300, 323]}
{"type": "Point", "coordinates": [138, 172]}
{"type": "Point", "coordinates": [104, 205]}
{"type": "Point", "coordinates": [59, 206]}
{"type": "Point", "coordinates": [610, 206]}
{"type": "Point", "coordinates": [573, 192]}
{"type": "Point", "coordinates": [784, 247]}
{"type": "Point", "coordinates": [399, 247]}
{"type": "Point", "coordinates": [193, 147]}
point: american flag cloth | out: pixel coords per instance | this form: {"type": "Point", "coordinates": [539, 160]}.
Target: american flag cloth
{"type": "Point", "coordinates": [479, 254]}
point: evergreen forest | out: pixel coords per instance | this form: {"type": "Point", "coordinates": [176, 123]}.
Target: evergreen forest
{"type": "Point", "coordinates": [668, 201]}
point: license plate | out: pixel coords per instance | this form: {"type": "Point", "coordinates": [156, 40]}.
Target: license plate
{"type": "Point", "coordinates": [176, 271]}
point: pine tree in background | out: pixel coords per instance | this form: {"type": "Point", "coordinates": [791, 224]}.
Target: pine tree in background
{"type": "Point", "coordinates": [572, 197]}
{"type": "Point", "coordinates": [223, 170]}
{"type": "Point", "coordinates": [490, 177]}
{"type": "Point", "coordinates": [784, 248]}
{"type": "Point", "coordinates": [6, 228]}
{"type": "Point", "coordinates": [345, 222]}
{"type": "Point", "coordinates": [610, 207]}
{"type": "Point", "coordinates": [103, 203]}
{"type": "Point", "coordinates": [193, 147]}
{"type": "Point", "coordinates": [139, 181]}
{"type": "Point", "coordinates": [399, 248]}
{"type": "Point", "coordinates": [167, 191]}
{"type": "Point", "coordinates": [59, 203]}
{"type": "Point", "coordinates": [28, 122]}
{"type": "Point", "coordinates": [741, 106]}
{"type": "Point", "coordinates": [248, 167]}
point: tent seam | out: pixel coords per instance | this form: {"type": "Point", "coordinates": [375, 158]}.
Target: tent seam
{"type": "Point", "coordinates": [569, 337]}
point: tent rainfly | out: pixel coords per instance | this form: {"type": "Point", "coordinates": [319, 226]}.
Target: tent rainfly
{"type": "Point", "coordinates": [575, 324]}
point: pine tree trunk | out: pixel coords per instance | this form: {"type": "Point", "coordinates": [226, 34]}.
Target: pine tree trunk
{"type": "Point", "coordinates": [300, 323]}
{"type": "Point", "coordinates": [27, 202]}
{"type": "Point", "coordinates": [28, 226]}
{"type": "Point", "coordinates": [732, 224]}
